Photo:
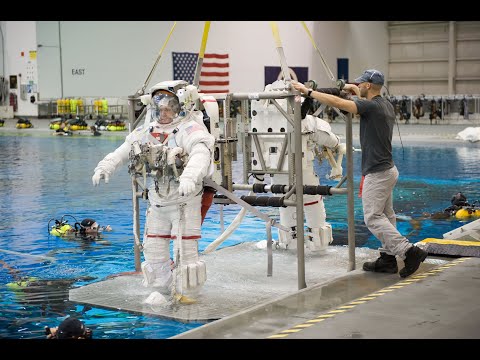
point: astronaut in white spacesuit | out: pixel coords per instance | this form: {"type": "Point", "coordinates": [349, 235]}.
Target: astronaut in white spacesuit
{"type": "Point", "coordinates": [174, 148]}
{"type": "Point", "coordinates": [317, 138]}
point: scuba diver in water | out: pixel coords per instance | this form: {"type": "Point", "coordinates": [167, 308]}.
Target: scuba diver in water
{"type": "Point", "coordinates": [460, 209]}
{"type": "Point", "coordinates": [87, 229]}
{"type": "Point", "coordinates": [70, 328]}
{"type": "Point", "coordinates": [458, 202]}
{"type": "Point", "coordinates": [50, 296]}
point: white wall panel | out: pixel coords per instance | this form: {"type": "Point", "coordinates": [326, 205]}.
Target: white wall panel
{"type": "Point", "coordinates": [468, 29]}
{"type": "Point", "coordinates": [468, 87]}
{"type": "Point", "coordinates": [113, 58]}
{"type": "Point", "coordinates": [116, 57]}
{"type": "Point", "coordinates": [468, 69]}
{"type": "Point", "coordinates": [420, 52]}
{"type": "Point", "coordinates": [367, 47]}
{"type": "Point", "coordinates": [48, 60]}
{"type": "Point", "coordinates": [418, 87]}
{"type": "Point", "coordinates": [468, 49]}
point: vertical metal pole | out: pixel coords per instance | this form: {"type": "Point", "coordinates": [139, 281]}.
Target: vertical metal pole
{"type": "Point", "coordinates": [441, 104]}
{"type": "Point", "coordinates": [131, 111]}
{"type": "Point", "coordinates": [136, 224]}
{"type": "Point", "coordinates": [61, 64]}
{"type": "Point", "coordinates": [452, 57]}
{"type": "Point", "coordinates": [411, 105]}
{"type": "Point", "coordinates": [299, 191]}
{"type": "Point", "coordinates": [350, 195]}
{"type": "Point", "coordinates": [227, 153]}
{"type": "Point", "coordinates": [246, 149]}
{"type": "Point", "coordinates": [136, 218]}
{"type": "Point", "coordinates": [269, 249]}
{"type": "Point", "coordinates": [3, 51]}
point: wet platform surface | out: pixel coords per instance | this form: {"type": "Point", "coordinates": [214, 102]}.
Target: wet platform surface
{"type": "Point", "coordinates": [239, 301]}
{"type": "Point", "coordinates": [236, 280]}
{"type": "Point", "coordinates": [439, 301]}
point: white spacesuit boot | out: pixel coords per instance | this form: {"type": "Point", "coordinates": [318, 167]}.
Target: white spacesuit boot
{"type": "Point", "coordinates": [318, 238]}
{"type": "Point", "coordinates": [288, 218]}
{"type": "Point", "coordinates": [157, 274]}
{"type": "Point", "coordinates": [157, 267]}
{"type": "Point", "coordinates": [192, 278]}
{"type": "Point", "coordinates": [319, 233]}
{"type": "Point", "coordinates": [192, 273]}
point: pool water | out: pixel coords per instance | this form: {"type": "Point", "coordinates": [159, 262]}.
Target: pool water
{"type": "Point", "coordinates": [44, 177]}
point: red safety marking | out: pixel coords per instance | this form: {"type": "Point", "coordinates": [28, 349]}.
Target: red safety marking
{"type": "Point", "coordinates": [360, 191]}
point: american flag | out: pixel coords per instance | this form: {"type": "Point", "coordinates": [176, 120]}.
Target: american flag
{"type": "Point", "coordinates": [214, 76]}
{"type": "Point", "coordinates": [193, 128]}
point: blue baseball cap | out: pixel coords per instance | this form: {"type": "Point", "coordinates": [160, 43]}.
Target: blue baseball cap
{"type": "Point", "coordinates": [372, 76]}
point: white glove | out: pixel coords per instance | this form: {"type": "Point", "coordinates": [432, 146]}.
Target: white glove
{"type": "Point", "coordinates": [99, 174]}
{"type": "Point", "coordinates": [186, 186]}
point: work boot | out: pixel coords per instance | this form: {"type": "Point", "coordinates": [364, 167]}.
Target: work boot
{"type": "Point", "coordinates": [385, 263]}
{"type": "Point", "coordinates": [413, 257]}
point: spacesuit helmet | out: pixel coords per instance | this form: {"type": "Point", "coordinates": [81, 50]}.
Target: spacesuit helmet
{"type": "Point", "coordinates": [165, 106]}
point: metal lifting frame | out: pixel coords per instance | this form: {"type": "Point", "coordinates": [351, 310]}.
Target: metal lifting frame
{"type": "Point", "coordinates": [292, 145]}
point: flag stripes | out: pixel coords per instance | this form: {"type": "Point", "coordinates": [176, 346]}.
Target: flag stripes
{"type": "Point", "coordinates": [214, 75]}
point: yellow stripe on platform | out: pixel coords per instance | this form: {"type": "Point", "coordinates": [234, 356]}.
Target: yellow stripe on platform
{"type": "Point", "coordinates": [450, 242]}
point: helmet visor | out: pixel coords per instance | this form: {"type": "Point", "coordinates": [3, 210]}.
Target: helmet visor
{"type": "Point", "coordinates": [165, 107]}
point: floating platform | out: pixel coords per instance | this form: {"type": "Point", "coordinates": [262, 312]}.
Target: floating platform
{"type": "Point", "coordinates": [236, 280]}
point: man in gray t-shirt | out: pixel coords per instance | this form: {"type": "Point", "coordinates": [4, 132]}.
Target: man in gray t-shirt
{"type": "Point", "coordinates": [379, 173]}
{"type": "Point", "coordinates": [376, 129]}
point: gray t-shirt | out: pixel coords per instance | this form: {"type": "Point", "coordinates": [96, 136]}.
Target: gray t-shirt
{"type": "Point", "coordinates": [377, 118]}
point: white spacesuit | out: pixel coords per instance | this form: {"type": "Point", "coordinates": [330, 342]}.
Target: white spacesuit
{"type": "Point", "coordinates": [173, 148]}
{"type": "Point", "coordinates": [317, 133]}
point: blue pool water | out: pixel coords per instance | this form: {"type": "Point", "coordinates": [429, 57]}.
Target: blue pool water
{"type": "Point", "coordinates": [44, 177]}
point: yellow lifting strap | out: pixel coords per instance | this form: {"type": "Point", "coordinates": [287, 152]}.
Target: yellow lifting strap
{"type": "Point", "coordinates": [201, 54]}
{"type": "Point", "coordinates": [324, 63]}
{"type": "Point", "coordinates": [276, 34]}
{"type": "Point", "coordinates": [278, 44]}
{"type": "Point", "coordinates": [158, 59]}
